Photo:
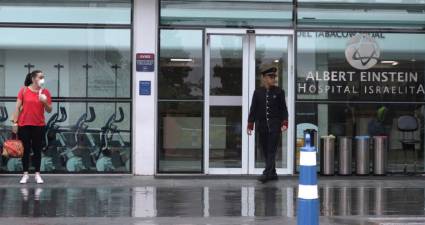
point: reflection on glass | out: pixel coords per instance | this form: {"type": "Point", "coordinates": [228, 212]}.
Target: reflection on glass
{"type": "Point", "coordinates": [225, 137]}
{"type": "Point", "coordinates": [76, 62]}
{"type": "Point", "coordinates": [370, 119]}
{"type": "Point", "coordinates": [227, 13]}
{"type": "Point", "coordinates": [2, 78]}
{"type": "Point", "coordinates": [226, 67]}
{"type": "Point", "coordinates": [272, 51]}
{"type": "Point", "coordinates": [80, 138]}
{"type": "Point", "coordinates": [180, 64]}
{"type": "Point", "coordinates": [180, 137]}
{"type": "Point", "coordinates": [396, 76]}
{"type": "Point", "coordinates": [366, 13]}
{"type": "Point", "coordinates": [226, 62]}
{"type": "Point", "coordinates": [368, 101]}
{"type": "Point", "coordinates": [66, 11]}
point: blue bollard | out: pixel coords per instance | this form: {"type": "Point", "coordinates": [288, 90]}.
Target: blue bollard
{"type": "Point", "coordinates": [308, 197]}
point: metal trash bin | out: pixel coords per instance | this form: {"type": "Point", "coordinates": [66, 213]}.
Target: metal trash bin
{"type": "Point", "coordinates": [345, 155]}
{"type": "Point", "coordinates": [362, 155]}
{"type": "Point", "coordinates": [380, 146]}
{"type": "Point", "coordinates": [327, 155]}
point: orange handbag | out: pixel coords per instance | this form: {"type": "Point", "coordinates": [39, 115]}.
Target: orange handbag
{"type": "Point", "coordinates": [13, 148]}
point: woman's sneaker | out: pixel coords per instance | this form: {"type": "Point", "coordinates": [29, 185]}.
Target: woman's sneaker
{"type": "Point", "coordinates": [24, 179]}
{"type": "Point", "coordinates": [38, 179]}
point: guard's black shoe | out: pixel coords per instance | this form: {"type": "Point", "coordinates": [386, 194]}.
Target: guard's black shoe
{"type": "Point", "coordinates": [263, 179]}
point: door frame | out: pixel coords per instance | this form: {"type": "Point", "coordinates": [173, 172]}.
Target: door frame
{"type": "Point", "coordinates": [248, 142]}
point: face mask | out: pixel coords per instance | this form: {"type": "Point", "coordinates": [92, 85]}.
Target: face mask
{"type": "Point", "coordinates": [41, 82]}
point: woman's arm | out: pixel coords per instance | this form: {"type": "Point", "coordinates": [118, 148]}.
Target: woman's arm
{"type": "Point", "coordinates": [47, 107]}
{"type": "Point", "coordinates": [15, 116]}
{"type": "Point", "coordinates": [18, 106]}
{"type": "Point", "coordinates": [46, 99]}
{"type": "Point", "coordinates": [17, 111]}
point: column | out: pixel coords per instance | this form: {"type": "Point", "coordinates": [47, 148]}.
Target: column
{"type": "Point", "coordinates": [145, 25]}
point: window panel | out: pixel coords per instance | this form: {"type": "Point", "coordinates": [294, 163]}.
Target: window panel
{"type": "Point", "coordinates": [227, 13]}
{"type": "Point", "coordinates": [96, 62]}
{"type": "Point", "coordinates": [181, 65]}
{"type": "Point", "coordinates": [226, 65]}
{"type": "Point", "coordinates": [66, 11]}
{"type": "Point", "coordinates": [180, 138]}
{"type": "Point", "coordinates": [82, 138]}
{"type": "Point", "coordinates": [351, 84]}
{"type": "Point", "coordinates": [371, 119]}
{"type": "Point", "coordinates": [345, 66]}
{"type": "Point", "coordinates": [225, 137]}
{"type": "Point", "coordinates": [390, 14]}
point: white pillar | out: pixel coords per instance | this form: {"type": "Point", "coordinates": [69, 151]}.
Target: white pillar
{"type": "Point", "coordinates": [145, 25]}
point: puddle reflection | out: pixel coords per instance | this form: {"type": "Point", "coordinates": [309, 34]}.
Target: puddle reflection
{"type": "Point", "coordinates": [204, 201]}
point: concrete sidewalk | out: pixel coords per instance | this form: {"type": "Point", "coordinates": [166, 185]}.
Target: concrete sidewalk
{"type": "Point", "coordinates": [206, 200]}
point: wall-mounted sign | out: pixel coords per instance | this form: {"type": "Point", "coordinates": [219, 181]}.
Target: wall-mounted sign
{"type": "Point", "coordinates": [145, 62]}
{"type": "Point", "coordinates": [362, 52]}
{"type": "Point", "coordinates": [368, 78]}
{"type": "Point", "coordinates": [144, 87]}
{"type": "Point", "coordinates": [341, 35]}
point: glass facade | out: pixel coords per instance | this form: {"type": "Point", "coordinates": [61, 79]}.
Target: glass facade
{"type": "Point", "coordinates": [359, 70]}
{"type": "Point", "coordinates": [366, 91]}
{"type": "Point", "coordinates": [88, 72]}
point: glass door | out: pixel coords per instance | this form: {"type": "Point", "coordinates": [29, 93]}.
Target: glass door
{"type": "Point", "coordinates": [234, 58]}
{"type": "Point", "coordinates": [272, 49]}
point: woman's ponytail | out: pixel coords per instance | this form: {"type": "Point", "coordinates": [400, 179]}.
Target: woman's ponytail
{"type": "Point", "coordinates": [30, 76]}
{"type": "Point", "coordinates": [28, 80]}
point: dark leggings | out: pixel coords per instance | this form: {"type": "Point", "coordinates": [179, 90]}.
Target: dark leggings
{"type": "Point", "coordinates": [31, 137]}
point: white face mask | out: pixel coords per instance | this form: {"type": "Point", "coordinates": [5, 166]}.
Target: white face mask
{"type": "Point", "coordinates": [41, 82]}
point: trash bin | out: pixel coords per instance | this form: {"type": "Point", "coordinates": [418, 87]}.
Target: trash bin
{"type": "Point", "coordinates": [345, 155]}
{"type": "Point", "coordinates": [327, 155]}
{"type": "Point", "coordinates": [362, 155]}
{"type": "Point", "coordinates": [380, 144]}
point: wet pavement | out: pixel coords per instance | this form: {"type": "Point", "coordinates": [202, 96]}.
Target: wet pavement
{"type": "Point", "coordinates": [207, 200]}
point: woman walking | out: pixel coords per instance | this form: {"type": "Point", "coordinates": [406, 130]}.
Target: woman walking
{"type": "Point", "coordinates": [29, 121]}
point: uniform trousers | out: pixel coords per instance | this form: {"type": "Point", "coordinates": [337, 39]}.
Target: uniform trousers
{"type": "Point", "coordinates": [269, 142]}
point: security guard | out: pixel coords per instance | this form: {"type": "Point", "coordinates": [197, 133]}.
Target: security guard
{"type": "Point", "coordinates": [269, 114]}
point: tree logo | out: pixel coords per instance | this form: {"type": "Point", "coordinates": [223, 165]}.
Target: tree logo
{"type": "Point", "coordinates": [362, 52]}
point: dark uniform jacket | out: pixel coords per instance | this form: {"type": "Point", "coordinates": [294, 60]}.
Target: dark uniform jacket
{"type": "Point", "coordinates": [268, 110]}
